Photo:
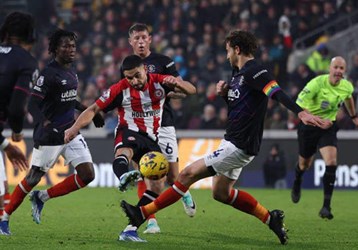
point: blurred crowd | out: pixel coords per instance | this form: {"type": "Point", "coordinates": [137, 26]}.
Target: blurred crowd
{"type": "Point", "coordinates": [192, 33]}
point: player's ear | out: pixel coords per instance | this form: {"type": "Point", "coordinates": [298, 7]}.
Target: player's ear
{"type": "Point", "coordinates": [237, 50]}
{"type": "Point", "coordinates": [130, 41]}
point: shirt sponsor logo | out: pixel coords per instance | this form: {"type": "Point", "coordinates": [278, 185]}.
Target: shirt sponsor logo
{"type": "Point", "coordinates": [131, 138]}
{"type": "Point", "coordinates": [69, 95]}
{"type": "Point", "coordinates": [233, 94]}
{"type": "Point", "coordinates": [136, 114]}
{"type": "Point", "coordinates": [259, 73]}
{"type": "Point", "coordinates": [324, 104]}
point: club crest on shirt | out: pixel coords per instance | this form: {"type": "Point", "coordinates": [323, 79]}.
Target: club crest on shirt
{"type": "Point", "coordinates": [159, 93]}
{"type": "Point", "coordinates": [131, 138]}
{"type": "Point", "coordinates": [150, 68]}
{"type": "Point", "coordinates": [40, 81]}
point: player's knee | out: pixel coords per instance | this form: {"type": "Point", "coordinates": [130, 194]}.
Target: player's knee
{"type": "Point", "coordinates": [156, 186]}
{"type": "Point", "coordinates": [34, 176]}
{"type": "Point", "coordinates": [86, 173]}
{"type": "Point", "coordinates": [220, 196]}
{"type": "Point", "coordinates": [171, 177]}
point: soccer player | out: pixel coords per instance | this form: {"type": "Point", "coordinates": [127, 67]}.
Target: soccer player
{"type": "Point", "coordinates": [18, 68]}
{"type": "Point", "coordinates": [139, 98]}
{"type": "Point", "coordinates": [52, 105]}
{"type": "Point", "coordinates": [323, 96]}
{"type": "Point", "coordinates": [246, 95]}
{"type": "Point", "coordinates": [140, 40]}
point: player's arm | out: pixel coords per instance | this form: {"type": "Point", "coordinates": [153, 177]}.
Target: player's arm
{"type": "Point", "coordinates": [222, 88]}
{"type": "Point", "coordinates": [307, 118]}
{"type": "Point", "coordinates": [308, 93]}
{"type": "Point", "coordinates": [97, 119]}
{"type": "Point", "coordinates": [34, 108]}
{"type": "Point", "coordinates": [180, 85]}
{"type": "Point", "coordinates": [349, 103]}
{"type": "Point", "coordinates": [16, 112]}
{"type": "Point", "coordinates": [83, 120]}
{"type": "Point", "coordinates": [14, 154]}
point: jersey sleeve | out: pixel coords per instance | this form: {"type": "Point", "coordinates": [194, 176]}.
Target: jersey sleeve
{"type": "Point", "coordinates": [27, 76]}
{"type": "Point", "coordinates": [43, 84]}
{"type": "Point", "coordinates": [350, 89]}
{"type": "Point", "coordinates": [169, 68]}
{"type": "Point", "coordinates": [262, 80]}
{"type": "Point", "coordinates": [308, 93]}
{"type": "Point", "coordinates": [111, 98]}
{"type": "Point", "coordinates": [159, 78]}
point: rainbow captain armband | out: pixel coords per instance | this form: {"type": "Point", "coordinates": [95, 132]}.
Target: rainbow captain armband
{"type": "Point", "coordinates": [271, 88]}
{"type": "Point", "coordinates": [4, 144]}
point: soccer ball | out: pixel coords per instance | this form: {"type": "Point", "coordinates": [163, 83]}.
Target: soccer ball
{"type": "Point", "coordinates": [153, 165]}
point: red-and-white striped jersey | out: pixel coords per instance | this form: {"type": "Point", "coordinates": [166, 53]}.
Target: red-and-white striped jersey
{"type": "Point", "coordinates": [138, 110]}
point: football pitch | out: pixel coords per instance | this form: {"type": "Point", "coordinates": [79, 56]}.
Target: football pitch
{"type": "Point", "coordinates": [91, 219]}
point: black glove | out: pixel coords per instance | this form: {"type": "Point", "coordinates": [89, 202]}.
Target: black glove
{"type": "Point", "coordinates": [98, 120]}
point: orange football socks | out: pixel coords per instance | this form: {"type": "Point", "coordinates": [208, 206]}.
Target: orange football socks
{"type": "Point", "coordinates": [247, 203]}
{"type": "Point", "coordinates": [167, 198]}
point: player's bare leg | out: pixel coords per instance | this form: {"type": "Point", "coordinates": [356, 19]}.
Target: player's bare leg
{"type": "Point", "coordinates": [187, 200]}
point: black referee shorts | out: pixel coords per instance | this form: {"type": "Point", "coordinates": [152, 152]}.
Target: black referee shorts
{"type": "Point", "coordinates": [312, 138]}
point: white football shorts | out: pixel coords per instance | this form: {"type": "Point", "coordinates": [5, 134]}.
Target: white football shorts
{"type": "Point", "coordinates": [167, 140]}
{"type": "Point", "coordinates": [228, 160]}
{"type": "Point", "coordinates": [75, 152]}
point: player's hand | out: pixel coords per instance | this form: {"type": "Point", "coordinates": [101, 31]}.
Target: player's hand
{"type": "Point", "coordinates": [355, 121]}
{"type": "Point", "coordinates": [17, 136]}
{"type": "Point", "coordinates": [16, 157]}
{"type": "Point", "coordinates": [98, 120]}
{"type": "Point", "coordinates": [222, 88]}
{"type": "Point", "coordinates": [70, 134]}
{"type": "Point", "coordinates": [312, 120]}
{"type": "Point", "coordinates": [171, 81]}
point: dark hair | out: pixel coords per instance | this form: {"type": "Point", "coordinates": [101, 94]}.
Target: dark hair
{"type": "Point", "coordinates": [131, 62]}
{"type": "Point", "coordinates": [245, 40]}
{"type": "Point", "coordinates": [20, 25]}
{"type": "Point", "coordinates": [138, 27]}
{"type": "Point", "coordinates": [55, 39]}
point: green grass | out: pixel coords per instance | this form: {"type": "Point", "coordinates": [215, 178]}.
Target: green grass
{"type": "Point", "coordinates": [91, 219]}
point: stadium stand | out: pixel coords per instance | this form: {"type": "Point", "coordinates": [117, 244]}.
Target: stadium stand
{"type": "Point", "coordinates": [191, 32]}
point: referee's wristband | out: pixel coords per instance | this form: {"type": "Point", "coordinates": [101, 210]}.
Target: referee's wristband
{"type": "Point", "coordinates": [4, 144]}
{"type": "Point", "coordinates": [353, 116]}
